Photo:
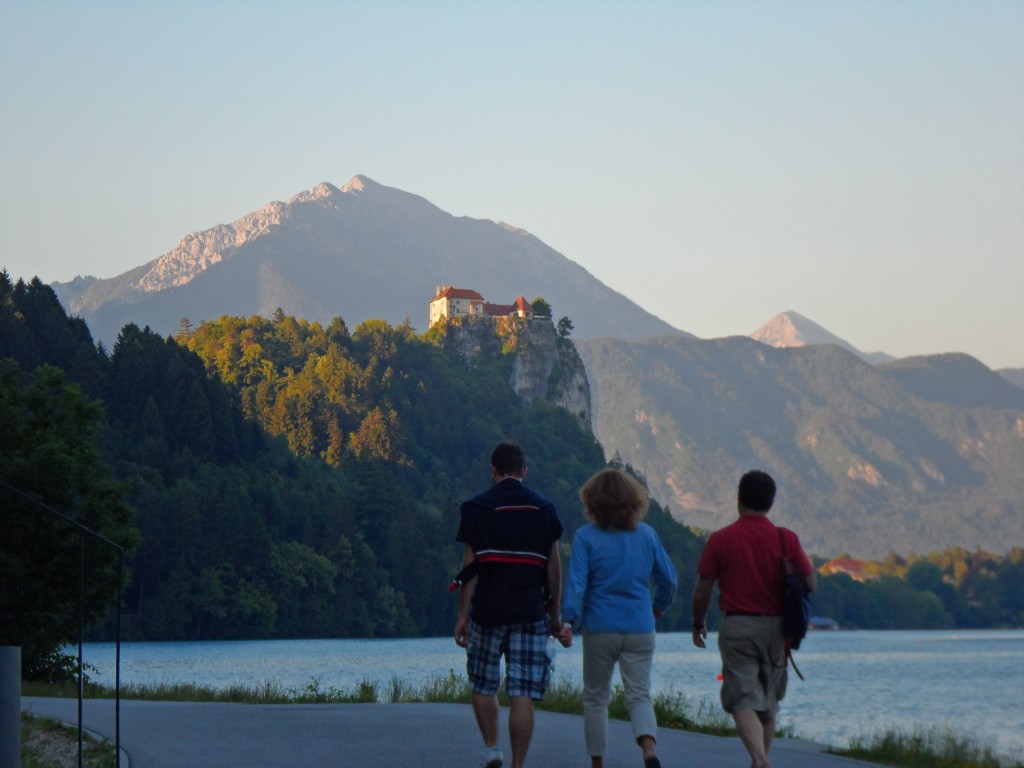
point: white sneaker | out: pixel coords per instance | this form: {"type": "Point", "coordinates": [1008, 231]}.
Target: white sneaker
{"type": "Point", "coordinates": [493, 758]}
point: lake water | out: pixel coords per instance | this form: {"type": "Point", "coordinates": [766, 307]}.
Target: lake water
{"type": "Point", "coordinates": [857, 683]}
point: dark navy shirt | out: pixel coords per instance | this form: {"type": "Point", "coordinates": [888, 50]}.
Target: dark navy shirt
{"type": "Point", "coordinates": [511, 529]}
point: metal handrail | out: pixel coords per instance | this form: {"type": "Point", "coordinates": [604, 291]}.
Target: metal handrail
{"type": "Point", "coordinates": [84, 531]}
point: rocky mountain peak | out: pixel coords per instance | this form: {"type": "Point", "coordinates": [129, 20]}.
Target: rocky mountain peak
{"type": "Point", "coordinates": [355, 185]}
{"type": "Point", "coordinates": [321, 191]}
{"type": "Point", "coordinates": [791, 329]}
{"type": "Point", "coordinates": [198, 251]}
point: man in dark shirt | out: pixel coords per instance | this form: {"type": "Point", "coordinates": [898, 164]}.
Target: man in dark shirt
{"type": "Point", "coordinates": [511, 533]}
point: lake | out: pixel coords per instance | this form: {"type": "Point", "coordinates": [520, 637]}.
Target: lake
{"type": "Point", "coordinates": [857, 683]}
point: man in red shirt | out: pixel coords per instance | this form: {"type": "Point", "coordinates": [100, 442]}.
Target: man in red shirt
{"type": "Point", "coordinates": [746, 559]}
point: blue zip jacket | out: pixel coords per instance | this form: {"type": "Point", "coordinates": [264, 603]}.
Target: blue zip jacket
{"type": "Point", "coordinates": [608, 586]}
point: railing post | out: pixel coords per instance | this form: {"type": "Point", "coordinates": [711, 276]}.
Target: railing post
{"type": "Point", "coordinates": [10, 705]}
{"type": "Point", "coordinates": [117, 663]}
{"type": "Point", "coordinates": [81, 633]}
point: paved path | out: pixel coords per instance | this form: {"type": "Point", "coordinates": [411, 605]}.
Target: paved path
{"type": "Point", "coordinates": [197, 735]}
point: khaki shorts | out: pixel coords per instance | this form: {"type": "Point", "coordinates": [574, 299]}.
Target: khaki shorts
{"type": "Point", "coordinates": [753, 664]}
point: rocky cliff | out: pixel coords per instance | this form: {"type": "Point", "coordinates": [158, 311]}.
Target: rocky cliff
{"type": "Point", "coordinates": [544, 366]}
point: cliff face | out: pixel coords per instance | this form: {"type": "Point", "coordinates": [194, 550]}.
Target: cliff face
{"type": "Point", "coordinates": [544, 366]}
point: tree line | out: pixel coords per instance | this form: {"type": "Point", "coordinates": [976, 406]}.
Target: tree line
{"type": "Point", "coordinates": [274, 478]}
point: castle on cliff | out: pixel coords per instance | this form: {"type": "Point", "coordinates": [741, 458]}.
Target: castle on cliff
{"type": "Point", "coordinates": [451, 302]}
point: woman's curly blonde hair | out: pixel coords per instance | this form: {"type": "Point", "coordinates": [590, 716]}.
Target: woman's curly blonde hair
{"type": "Point", "coordinates": [614, 500]}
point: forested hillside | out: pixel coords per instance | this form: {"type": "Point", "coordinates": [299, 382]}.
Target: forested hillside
{"type": "Point", "coordinates": [294, 480]}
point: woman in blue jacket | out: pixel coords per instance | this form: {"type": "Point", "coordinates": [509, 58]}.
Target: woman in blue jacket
{"type": "Point", "coordinates": [607, 596]}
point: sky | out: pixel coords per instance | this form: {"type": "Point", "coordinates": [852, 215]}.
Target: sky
{"type": "Point", "coordinates": [718, 162]}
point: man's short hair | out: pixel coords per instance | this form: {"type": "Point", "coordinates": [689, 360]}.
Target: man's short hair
{"type": "Point", "coordinates": [757, 491]}
{"type": "Point", "coordinates": [508, 459]}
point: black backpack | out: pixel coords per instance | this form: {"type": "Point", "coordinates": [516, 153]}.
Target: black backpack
{"type": "Point", "coordinates": [796, 606]}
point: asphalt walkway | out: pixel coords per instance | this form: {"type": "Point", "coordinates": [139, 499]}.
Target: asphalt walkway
{"type": "Point", "coordinates": [201, 735]}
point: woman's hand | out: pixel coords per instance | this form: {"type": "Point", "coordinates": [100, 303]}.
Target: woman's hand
{"type": "Point", "coordinates": [564, 635]}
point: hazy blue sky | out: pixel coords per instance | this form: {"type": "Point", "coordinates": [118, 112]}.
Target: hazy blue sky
{"type": "Point", "coordinates": [859, 162]}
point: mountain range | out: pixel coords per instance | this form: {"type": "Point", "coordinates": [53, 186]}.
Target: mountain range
{"type": "Point", "coordinates": [873, 454]}
{"type": "Point", "coordinates": [912, 456]}
{"type": "Point", "coordinates": [358, 252]}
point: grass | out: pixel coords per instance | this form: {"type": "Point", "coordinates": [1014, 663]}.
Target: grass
{"type": "Point", "coordinates": [926, 748]}
{"type": "Point", "coordinates": [934, 748]}
{"type": "Point", "coordinates": [673, 709]}
{"type": "Point", "coordinates": [47, 743]}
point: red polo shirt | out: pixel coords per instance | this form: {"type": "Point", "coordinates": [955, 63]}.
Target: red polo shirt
{"type": "Point", "coordinates": [746, 560]}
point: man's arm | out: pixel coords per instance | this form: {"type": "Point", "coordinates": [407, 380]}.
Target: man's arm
{"type": "Point", "coordinates": [802, 563]}
{"type": "Point", "coordinates": [811, 581]}
{"type": "Point", "coordinates": [465, 598]}
{"type": "Point", "coordinates": [665, 580]}
{"type": "Point", "coordinates": [555, 588]}
{"type": "Point", "coordinates": [701, 604]}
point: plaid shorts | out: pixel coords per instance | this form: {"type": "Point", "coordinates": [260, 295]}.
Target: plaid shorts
{"type": "Point", "coordinates": [527, 661]}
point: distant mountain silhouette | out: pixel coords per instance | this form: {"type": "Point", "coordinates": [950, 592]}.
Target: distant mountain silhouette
{"type": "Point", "coordinates": [1013, 375]}
{"type": "Point", "coordinates": [791, 329]}
{"type": "Point", "coordinates": [955, 379]}
{"type": "Point", "coordinates": [912, 456]}
{"type": "Point", "coordinates": [363, 251]}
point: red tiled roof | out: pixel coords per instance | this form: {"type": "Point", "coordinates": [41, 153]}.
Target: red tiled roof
{"type": "Point", "coordinates": [449, 292]}
{"type": "Point", "coordinates": [856, 569]}
{"type": "Point", "coordinates": [844, 563]}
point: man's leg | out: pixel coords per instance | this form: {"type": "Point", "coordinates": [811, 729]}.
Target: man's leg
{"type": "Point", "coordinates": [486, 710]}
{"type": "Point", "coordinates": [483, 666]}
{"type": "Point", "coordinates": [752, 735]}
{"type": "Point", "coordinates": [768, 724]}
{"type": "Point", "coordinates": [520, 727]}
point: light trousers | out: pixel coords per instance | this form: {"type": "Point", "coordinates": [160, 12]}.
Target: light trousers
{"type": "Point", "coordinates": [633, 653]}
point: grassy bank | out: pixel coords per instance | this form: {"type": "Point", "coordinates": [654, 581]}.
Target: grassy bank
{"type": "Point", "coordinates": [913, 749]}
{"type": "Point", "coordinates": [46, 743]}
{"type": "Point", "coordinates": [673, 710]}
{"type": "Point", "coordinates": [926, 748]}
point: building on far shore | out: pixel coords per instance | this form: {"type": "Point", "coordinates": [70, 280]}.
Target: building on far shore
{"type": "Point", "coordinates": [451, 302]}
{"type": "Point", "coordinates": [857, 570]}
{"type": "Point", "coordinates": [822, 623]}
